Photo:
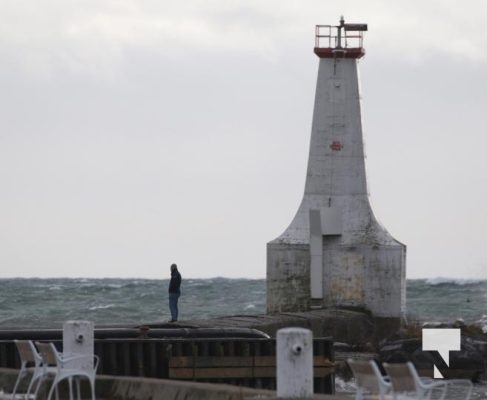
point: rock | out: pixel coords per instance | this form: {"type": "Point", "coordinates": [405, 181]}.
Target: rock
{"type": "Point", "coordinates": [459, 323]}
{"type": "Point", "coordinates": [482, 324]}
{"type": "Point", "coordinates": [467, 363]}
{"type": "Point", "coordinates": [433, 324]}
{"type": "Point", "coordinates": [479, 345]}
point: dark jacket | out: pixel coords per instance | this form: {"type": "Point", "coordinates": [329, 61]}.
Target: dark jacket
{"type": "Point", "coordinates": [175, 283]}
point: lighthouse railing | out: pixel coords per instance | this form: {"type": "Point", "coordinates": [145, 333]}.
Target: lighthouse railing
{"type": "Point", "coordinates": [330, 37]}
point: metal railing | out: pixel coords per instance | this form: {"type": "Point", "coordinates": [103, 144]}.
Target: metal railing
{"type": "Point", "coordinates": [338, 37]}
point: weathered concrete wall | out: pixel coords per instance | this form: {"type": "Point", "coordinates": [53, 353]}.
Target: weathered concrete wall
{"type": "Point", "coordinates": [288, 270]}
{"type": "Point", "coordinates": [360, 264]}
{"type": "Point", "coordinates": [364, 276]}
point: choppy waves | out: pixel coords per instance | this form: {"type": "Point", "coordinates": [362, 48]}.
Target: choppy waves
{"type": "Point", "coordinates": [49, 302]}
{"type": "Point", "coordinates": [443, 299]}
{"type": "Point", "coordinates": [452, 281]}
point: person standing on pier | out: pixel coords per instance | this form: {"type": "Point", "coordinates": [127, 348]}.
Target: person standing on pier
{"type": "Point", "coordinates": [174, 292]}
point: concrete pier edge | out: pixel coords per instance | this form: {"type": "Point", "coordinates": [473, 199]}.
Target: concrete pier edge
{"type": "Point", "coordinates": [351, 326]}
{"type": "Point", "coordinates": [137, 388]}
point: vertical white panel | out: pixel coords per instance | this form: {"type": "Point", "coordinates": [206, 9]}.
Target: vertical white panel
{"type": "Point", "coordinates": [316, 253]}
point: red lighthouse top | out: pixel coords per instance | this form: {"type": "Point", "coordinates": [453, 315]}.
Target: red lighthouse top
{"type": "Point", "coordinates": [344, 40]}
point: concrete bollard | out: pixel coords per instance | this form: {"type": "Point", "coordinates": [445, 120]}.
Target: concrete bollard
{"type": "Point", "coordinates": [294, 357]}
{"type": "Point", "coordinates": [79, 338]}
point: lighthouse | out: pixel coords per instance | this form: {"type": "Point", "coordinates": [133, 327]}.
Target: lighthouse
{"type": "Point", "coordinates": [335, 253]}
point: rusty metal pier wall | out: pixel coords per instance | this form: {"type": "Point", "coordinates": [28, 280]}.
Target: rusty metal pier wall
{"type": "Point", "coordinates": [243, 361]}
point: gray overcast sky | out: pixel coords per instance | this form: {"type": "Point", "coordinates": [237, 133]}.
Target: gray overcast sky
{"type": "Point", "coordinates": [137, 133]}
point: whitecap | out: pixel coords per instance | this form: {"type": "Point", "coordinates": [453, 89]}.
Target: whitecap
{"type": "Point", "coordinates": [249, 307]}
{"type": "Point", "coordinates": [101, 307]}
{"type": "Point", "coordinates": [454, 281]}
{"type": "Point", "coordinates": [482, 322]}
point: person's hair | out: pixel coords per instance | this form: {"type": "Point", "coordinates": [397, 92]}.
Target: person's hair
{"type": "Point", "coordinates": [174, 267]}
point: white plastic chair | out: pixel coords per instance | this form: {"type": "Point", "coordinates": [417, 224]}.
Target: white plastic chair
{"type": "Point", "coordinates": [58, 364]}
{"type": "Point", "coordinates": [405, 380]}
{"type": "Point", "coordinates": [30, 362]}
{"type": "Point", "coordinates": [370, 382]}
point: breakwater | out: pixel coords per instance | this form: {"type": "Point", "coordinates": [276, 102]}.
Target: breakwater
{"type": "Point", "coordinates": [221, 356]}
{"type": "Point", "coordinates": [144, 354]}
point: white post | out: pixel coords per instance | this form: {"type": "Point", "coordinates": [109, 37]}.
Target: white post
{"type": "Point", "coordinates": [294, 356]}
{"type": "Point", "coordinates": [79, 338]}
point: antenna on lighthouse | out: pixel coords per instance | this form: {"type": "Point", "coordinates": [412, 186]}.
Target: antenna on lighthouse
{"type": "Point", "coordinates": [339, 32]}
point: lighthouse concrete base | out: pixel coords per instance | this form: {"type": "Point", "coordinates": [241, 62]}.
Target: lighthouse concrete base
{"type": "Point", "coordinates": [363, 276]}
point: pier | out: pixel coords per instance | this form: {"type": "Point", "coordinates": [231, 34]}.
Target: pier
{"type": "Point", "coordinates": [189, 351]}
{"type": "Point", "coordinates": [350, 325]}
{"type": "Point", "coordinates": [237, 350]}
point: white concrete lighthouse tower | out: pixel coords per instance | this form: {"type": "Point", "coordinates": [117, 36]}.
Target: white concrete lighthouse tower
{"type": "Point", "coordinates": [335, 253]}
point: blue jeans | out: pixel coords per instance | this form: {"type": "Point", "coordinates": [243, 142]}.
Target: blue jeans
{"type": "Point", "coordinates": [173, 305]}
